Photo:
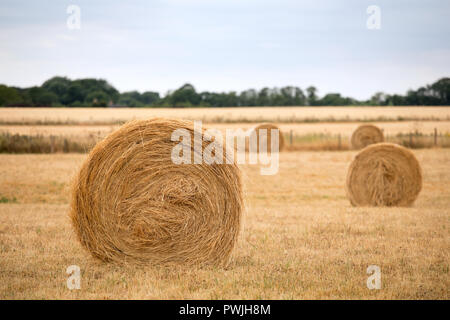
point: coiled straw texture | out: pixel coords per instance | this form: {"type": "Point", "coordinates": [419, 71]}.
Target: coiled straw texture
{"type": "Point", "coordinates": [365, 135]}
{"type": "Point", "coordinates": [132, 204]}
{"type": "Point", "coordinates": [384, 174]}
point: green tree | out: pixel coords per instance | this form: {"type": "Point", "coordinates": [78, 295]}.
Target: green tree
{"type": "Point", "coordinates": [42, 97]}
{"type": "Point", "coordinates": [57, 85]}
{"type": "Point", "coordinates": [312, 95]}
{"type": "Point", "coordinates": [97, 99]}
{"type": "Point", "coordinates": [299, 98]}
{"type": "Point", "coordinates": [9, 95]}
{"type": "Point", "coordinates": [378, 99]}
{"type": "Point", "coordinates": [441, 90]}
{"type": "Point", "coordinates": [248, 98]}
{"type": "Point", "coordinates": [396, 100]}
{"type": "Point", "coordinates": [185, 96]}
{"type": "Point", "coordinates": [90, 86]}
{"type": "Point", "coordinates": [75, 95]}
{"type": "Point", "coordinates": [149, 97]}
{"type": "Point", "coordinates": [130, 99]}
{"type": "Point", "coordinates": [264, 97]}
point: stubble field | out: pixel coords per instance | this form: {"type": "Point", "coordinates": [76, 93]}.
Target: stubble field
{"type": "Point", "coordinates": [108, 116]}
{"type": "Point", "coordinates": [345, 129]}
{"type": "Point", "coordinates": [301, 238]}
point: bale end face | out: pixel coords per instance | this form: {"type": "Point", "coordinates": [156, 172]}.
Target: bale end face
{"type": "Point", "coordinates": [132, 204]}
{"type": "Point", "coordinates": [384, 174]}
{"type": "Point", "coordinates": [267, 142]}
{"type": "Point", "coordinates": [365, 135]}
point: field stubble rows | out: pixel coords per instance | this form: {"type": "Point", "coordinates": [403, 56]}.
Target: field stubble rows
{"type": "Point", "coordinates": [301, 238]}
{"type": "Point", "coordinates": [298, 137]}
{"type": "Point", "coordinates": [300, 129]}
{"type": "Point", "coordinates": [107, 116]}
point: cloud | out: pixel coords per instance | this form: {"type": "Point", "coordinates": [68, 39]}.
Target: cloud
{"type": "Point", "coordinates": [228, 45]}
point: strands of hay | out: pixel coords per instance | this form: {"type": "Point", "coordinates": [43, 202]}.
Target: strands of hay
{"type": "Point", "coordinates": [132, 204]}
{"type": "Point", "coordinates": [365, 135]}
{"type": "Point", "coordinates": [384, 174]}
{"type": "Point", "coordinates": [268, 140]}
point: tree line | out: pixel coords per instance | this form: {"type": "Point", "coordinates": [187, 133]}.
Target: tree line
{"type": "Point", "coordinates": [63, 92]}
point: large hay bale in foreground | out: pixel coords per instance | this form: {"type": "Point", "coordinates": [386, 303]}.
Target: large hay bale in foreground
{"type": "Point", "coordinates": [365, 135]}
{"type": "Point", "coordinates": [132, 204]}
{"type": "Point", "coordinates": [268, 140]}
{"type": "Point", "coordinates": [384, 174]}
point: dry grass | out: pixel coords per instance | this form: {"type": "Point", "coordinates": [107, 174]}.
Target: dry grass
{"type": "Point", "coordinates": [17, 143]}
{"type": "Point", "coordinates": [305, 137]}
{"type": "Point", "coordinates": [302, 238]}
{"type": "Point", "coordinates": [299, 129]}
{"type": "Point", "coordinates": [105, 116]}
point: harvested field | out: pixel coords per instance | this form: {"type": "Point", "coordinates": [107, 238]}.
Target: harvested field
{"type": "Point", "coordinates": [106, 116]}
{"type": "Point", "coordinates": [302, 239]}
{"type": "Point", "coordinates": [305, 136]}
{"type": "Point", "coordinates": [300, 129]}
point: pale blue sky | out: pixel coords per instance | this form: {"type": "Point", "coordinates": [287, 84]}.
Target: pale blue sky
{"type": "Point", "coordinates": [228, 44]}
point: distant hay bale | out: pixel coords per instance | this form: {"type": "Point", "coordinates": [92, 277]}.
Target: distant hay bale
{"type": "Point", "coordinates": [268, 140]}
{"type": "Point", "coordinates": [132, 204]}
{"type": "Point", "coordinates": [365, 135]}
{"type": "Point", "coordinates": [384, 174]}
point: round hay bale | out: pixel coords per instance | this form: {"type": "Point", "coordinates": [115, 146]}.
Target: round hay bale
{"type": "Point", "coordinates": [365, 135]}
{"type": "Point", "coordinates": [384, 174]}
{"type": "Point", "coordinates": [268, 140]}
{"type": "Point", "coordinates": [132, 204]}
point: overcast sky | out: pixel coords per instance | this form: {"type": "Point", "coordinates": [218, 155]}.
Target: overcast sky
{"type": "Point", "coordinates": [228, 44]}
